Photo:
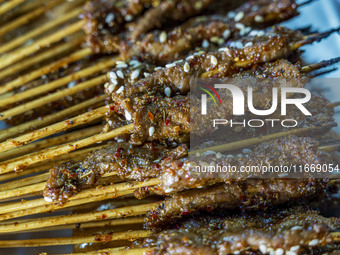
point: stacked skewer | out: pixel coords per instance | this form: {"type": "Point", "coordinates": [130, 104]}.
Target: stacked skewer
{"type": "Point", "coordinates": [87, 126]}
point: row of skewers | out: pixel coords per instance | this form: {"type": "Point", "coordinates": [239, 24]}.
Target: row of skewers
{"type": "Point", "coordinates": [147, 120]}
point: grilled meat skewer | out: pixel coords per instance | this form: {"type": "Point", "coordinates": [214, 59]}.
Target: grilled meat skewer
{"type": "Point", "coordinates": [293, 231]}
{"type": "Point", "coordinates": [172, 166]}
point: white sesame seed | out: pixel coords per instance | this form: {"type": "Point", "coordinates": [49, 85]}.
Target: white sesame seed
{"type": "Point", "coordinates": [263, 249]}
{"type": "Point", "coordinates": [205, 43]}
{"type": "Point", "coordinates": [214, 39]}
{"type": "Point", "coordinates": [158, 68]}
{"type": "Point", "coordinates": [240, 155]}
{"type": "Point", "coordinates": [259, 18]}
{"type": "Point", "coordinates": [109, 18]}
{"type": "Point", "coordinates": [48, 199]}
{"type": "Point", "coordinates": [197, 154]}
{"type": "Point", "coordinates": [260, 33]}
{"type": "Point", "coordinates": [291, 253]}
{"type": "Point", "coordinates": [110, 122]}
{"type": "Point", "coordinates": [106, 85]}
{"type": "Point", "coordinates": [239, 16]}
{"type": "Point", "coordinates": [279, 251]}
{"type": "Point", "coordinates": [162, 37]}
{"type": "Point", "coordinates": [120, 90]}
{"type": "Point", "coordinates": [112, 76]}
{"type": "Point", "coordinates": [213, 60]}
{"type": "Point", "coordinates": [198, 5]}
{"type": "Point", "coordinates": [220, 41]}
{"type": "Point", "coordinates": [128, 18]}
{"type": "Point", "coordinates": [120, 74]}
{"type": "Point", "coordinates": [128, 115]}
{"type": "Point", "coordinates": [296, 228]}
{"type": "Point", "coordinates": [245, 31]}
{"type": "Point", "coordinates": [246, 151]}
{"type": "Point", "coordinates": [111, 88]}
{"type": "Point", "coordinates": [186, 67]}
{"type": "Point", "coordinates": [218, 155]}
{"type": "Point", "coordinates": [122, 66]}
{"type": "Point", "coordinates": [248, 44]}
{"type": "Point", "coordinates": [167, 91]}
{"type": "Point", "coordinates": [225, 49]}
{"type": "Point", "coordinates": [253, 33]}
{"type": "Point", "coordinates": [272, 253]}
{"type": "Point", "coordinates": [230, 156]}
{"type": "Point", "coordinates": [120, 62]}
{"type": "Point", "coordinates": [170, 65]}
{"type": "Point", "coordinates": [239, 45]}
{"type": "Point", "coordinates": [313, 242]}
{"type": "Point", "coordinates": [151, 131]}
{"type": "Point", "coordinates": [295, 248]}
{"type": "Point", "coordinates": [201, 52]}
{"type": "Point", "coordinates": [114, 82]}
{"type": "Point", "coordinates": [120, 141]}
{"type": "Point", "coordinates": [226, 34]}
{"type": "Point", "coordinates": [146, 74]}
{"type": "Point", "coordinates": [178, 61]}
{"type": "Point", "coordinates": [231, 14]}
{"type": "Point", "coordinates": [190, 57]}
{"type": "Point", "coordinates": [72, 84]}
{"type": "Point", "coordinates": [240, 26]}
{"type": "Point", "coordinates": [134, 62]}
{"type": "Point", "coordinates": [135, 74]}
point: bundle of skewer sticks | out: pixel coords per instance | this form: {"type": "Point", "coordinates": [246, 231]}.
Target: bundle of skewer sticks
{"type": "Point", "coordinates": [25, 158]}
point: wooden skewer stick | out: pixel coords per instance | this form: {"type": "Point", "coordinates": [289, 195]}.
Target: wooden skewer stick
{"type": "Point", "coordinates": [104, 251]}
{"type": "Point", "coordinates": [9, 5]}
{"type": "Point", "coordinates": [78, 218]}
{"type": "Point", "coordinates": [24, 182]}
{"type": "Point", "coordinates": [47, 55]}
{"type": "Point", "coordinates": [53, 96]}
{"type": "Point", "coordinates": [52, 118]}
{"type": "Point", "coordinates": [51, 142]}
{"type": "Point", "coordinates": [22, 190]}
{"type": "Point", "coordinates": [98, 67]}
{"type": "Point", "coordinates": [136, 251]}
{"type": "Point", "coordinates": [50, 68]}
{"type": "Point", "coordinates": [332, 105]}
{"type": "Point", "coordinates": [322, 64]}
{"type": "Point", "coordinates": [22, 20]}
{"type": "Point", "coordinates": [127, 235]}
{"type": "Point", "coordinates": [24, 161]}
{"type": "Point", "coordinates": [47, 69]}
{"type": "Point", "coordinates": [39, 30]}
{"type": "Point", "coordinates": [96, 224]}
{"type": "Point", "coordinates": [253, 141]}
{"type": "Point", "coordinates": [97, 194]}
{"type": "Point", "coordinates": [53, 129]}
{"type": "Point", "coordinates": [21, 53]}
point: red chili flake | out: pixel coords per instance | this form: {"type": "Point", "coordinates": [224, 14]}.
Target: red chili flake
{"type": "Point", "coordinates": [180, 164]}
{"type": "Point", "coordinates": [73, 175]}
{"type": "Point", "coordinates": [118, 153]}
{"type": "Point", "coordinates": [120, 149]}
{"type": "Point", "coordinates": [185, 212]}
{"type": "Point", "coordinates": [210, 208]}
{"type": "Point", "coordinates": [167, 122]}
{"type": "Point", "coordinates": [104, 216]}
{"type": "Point", "coordinates": [151, 116]}
{"type": "Point", "coordinates": [154, 216]}
{"type": "Point", "coordinates": [64, 171]}
{"type": "Point", "coordinates": [157, 166]}
{"type": "Point", "coordinates": [112, 108]}
{"type": "Point", "coordinates": [68, 122]}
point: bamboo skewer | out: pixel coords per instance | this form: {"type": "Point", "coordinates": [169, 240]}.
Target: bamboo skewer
{"type": "Point", "coordinates": [98, 67]}
{"type": "Point", "coordinates": [24, 161]}
{"type": "Point", "coordinates": [136, 251]}
{"type": "Point", "coordinates": [50, 54]}
{"type": "Point", "coordinates": [78, 218]}
{"type": "Point", "coordinates": [322, 64]}
{"type": "Point", "coordinates": [28, 17]}
{"type": "Point", "coordinates": [50, 68]}
{"type": "Point", "coordinates": [52, 118]}
{"type": "Point", "coordinates": [51, 141]}
{"type": "Point", "coordinates": [21, 53]}
{"type": "Point", "coordinates": [53, 129]}
{"type": "Point", "coordinates": [76, 155]}
{"type": "Point", "coordinates": [53, 97]}
{"type": "Point", "coordinates": [24, 182]}
{"type": "Point", "coordinates": [40, 30]}
{"type": "Point", "coordinates": [97, 194]}
{"type": "Point", "coordinates": [104, 251]}
{"type": "Point", "coordinates": [9, 5]}
{"type": "Point", "coordinates": [127, 235]}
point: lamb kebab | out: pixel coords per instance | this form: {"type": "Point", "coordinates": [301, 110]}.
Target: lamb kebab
{"type": "Point", "coordinates": [279, 231]}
